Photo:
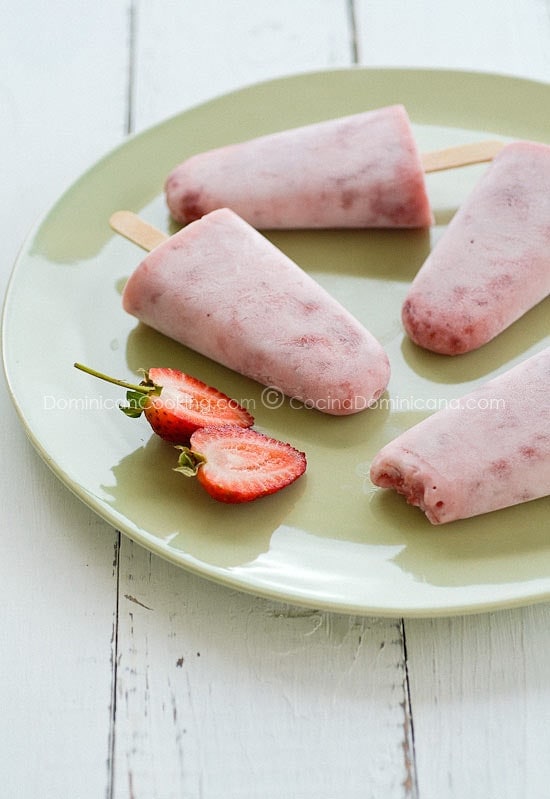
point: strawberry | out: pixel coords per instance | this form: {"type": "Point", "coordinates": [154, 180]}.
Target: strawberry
{"type": "Point", "coordinates": [176, 404]}
{"type": "Point", "coordinates": [236, 465]}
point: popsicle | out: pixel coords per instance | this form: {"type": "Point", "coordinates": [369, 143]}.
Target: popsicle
{"type": "Point", "coordinates": [221, 288]}
{"type": "Point", "coordinates": [488, 450]}
{"type": "Point", "coordinates": [492, 264]}
{"type": "Point", "coordinates": [361, 170]}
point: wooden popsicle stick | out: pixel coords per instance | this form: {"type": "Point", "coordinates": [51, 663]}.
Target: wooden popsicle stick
{"type": "Point", "coordinates": [132, 227]}
{"type": "Point", "coordinates": [460, 155]}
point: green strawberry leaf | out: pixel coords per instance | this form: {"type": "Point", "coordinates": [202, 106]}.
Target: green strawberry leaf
{"type": "Point", "coordinates": [137, 402]}
{"type": "Point", "coordinates": [189, 462]}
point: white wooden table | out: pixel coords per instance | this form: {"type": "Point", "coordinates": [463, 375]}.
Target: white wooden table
{"type": "Point", "coordinates": [125, 677]}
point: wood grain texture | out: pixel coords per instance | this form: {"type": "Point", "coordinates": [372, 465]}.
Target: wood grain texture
{"type": "Point", "coordinates": [57, 599]}
{"type": "Point", "coordinates": [481, 701]}
{"type": "Point", "coordinates": [62, 105]}
{"type": "Point", "coordinates": [492, 36]}
{"type": "Point", "coordinates": [223, 695]}
{"type": "Point", "coordinates": [186, 54]}
{"type": "Point", "coordinates": [62, 96]}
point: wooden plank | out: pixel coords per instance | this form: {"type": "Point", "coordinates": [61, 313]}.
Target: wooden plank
{"type": "Point", "coordinates": [185, 55]}
{"type": "Point", "coordinates": [511, 38]}
{"type": "Point", "coordinates": [61, 104]}
{"type": "Point", "coordinates": [221, 694]}
{"type": "Point", "coordinates": [58, 600]}
{"type": "Point", "coordinates": [479, 689]}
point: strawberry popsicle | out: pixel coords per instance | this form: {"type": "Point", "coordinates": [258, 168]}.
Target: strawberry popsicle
{"type": "Point", "coordinates": [488, 450]}
{"type": "Point", "coordinates": [362, 170]}
{"type": "Point", "coordinates": [221, 288]}
{"type": "Point", "coordinates": [492, 264]}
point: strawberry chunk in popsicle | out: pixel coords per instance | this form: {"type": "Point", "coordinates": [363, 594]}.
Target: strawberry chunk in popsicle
{"type": "Point", "coordinates": [221, 288]}
{"type": "Point", "coordinates": [489, 450]}
{"type": "Point", "coordinates": [362, 170]}
{"type": "Point", "coordinates": [492, 264]}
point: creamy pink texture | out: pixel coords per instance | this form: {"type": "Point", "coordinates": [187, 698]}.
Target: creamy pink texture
{"type": "Point", "coordinates": [492, 264]}
{"type": "Point", "coordinates": [221, 288]}
{"type": "Point", "coordinates": [360, 171]}
{"type": "Point", "coordinates": [477, 457]}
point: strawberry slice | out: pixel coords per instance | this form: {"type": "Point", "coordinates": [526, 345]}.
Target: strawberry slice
{"type": "Point", "coordinates": [176, 404]}
{"type": "Point", "coordinates": [236, 465]}
{"type": "Point", "coordinates": [186, 404]}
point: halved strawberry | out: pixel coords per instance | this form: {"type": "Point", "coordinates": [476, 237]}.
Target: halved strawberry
{"type": "Point", "coordinates": [235, 465]}
{"type": "Point", "coordinates": [176, 404]}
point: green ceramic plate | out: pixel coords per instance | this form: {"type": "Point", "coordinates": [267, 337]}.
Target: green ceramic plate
{"type": "Point", "coordinates": [331, 540]}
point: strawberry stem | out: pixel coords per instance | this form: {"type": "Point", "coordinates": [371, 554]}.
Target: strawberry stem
{"type": "Point", "coordinates": [142, 388]}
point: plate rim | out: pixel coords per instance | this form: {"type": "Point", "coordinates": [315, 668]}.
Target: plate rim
{"type": "Point", "coordinates": [223, 575]}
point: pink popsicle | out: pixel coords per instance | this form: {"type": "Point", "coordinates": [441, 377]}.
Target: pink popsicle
{"type": "Point", "coordinates": [221, 288]}
{"type": "Point", "coordinates": [489, 450]}
{"type": "Point", "coordinates": [492, 264]}
{"type": "Point", "coordinates": [362, 170]}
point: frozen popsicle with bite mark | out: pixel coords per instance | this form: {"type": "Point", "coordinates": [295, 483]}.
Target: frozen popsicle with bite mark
{"type": "Point", "coordinates": [361, 170]}
{"type": "Point", "coordinates": [486, 451]}
{"type": "Point", "coordinates": [492, 264]}
{"type": "Point", "coordinates": [221, 288]}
